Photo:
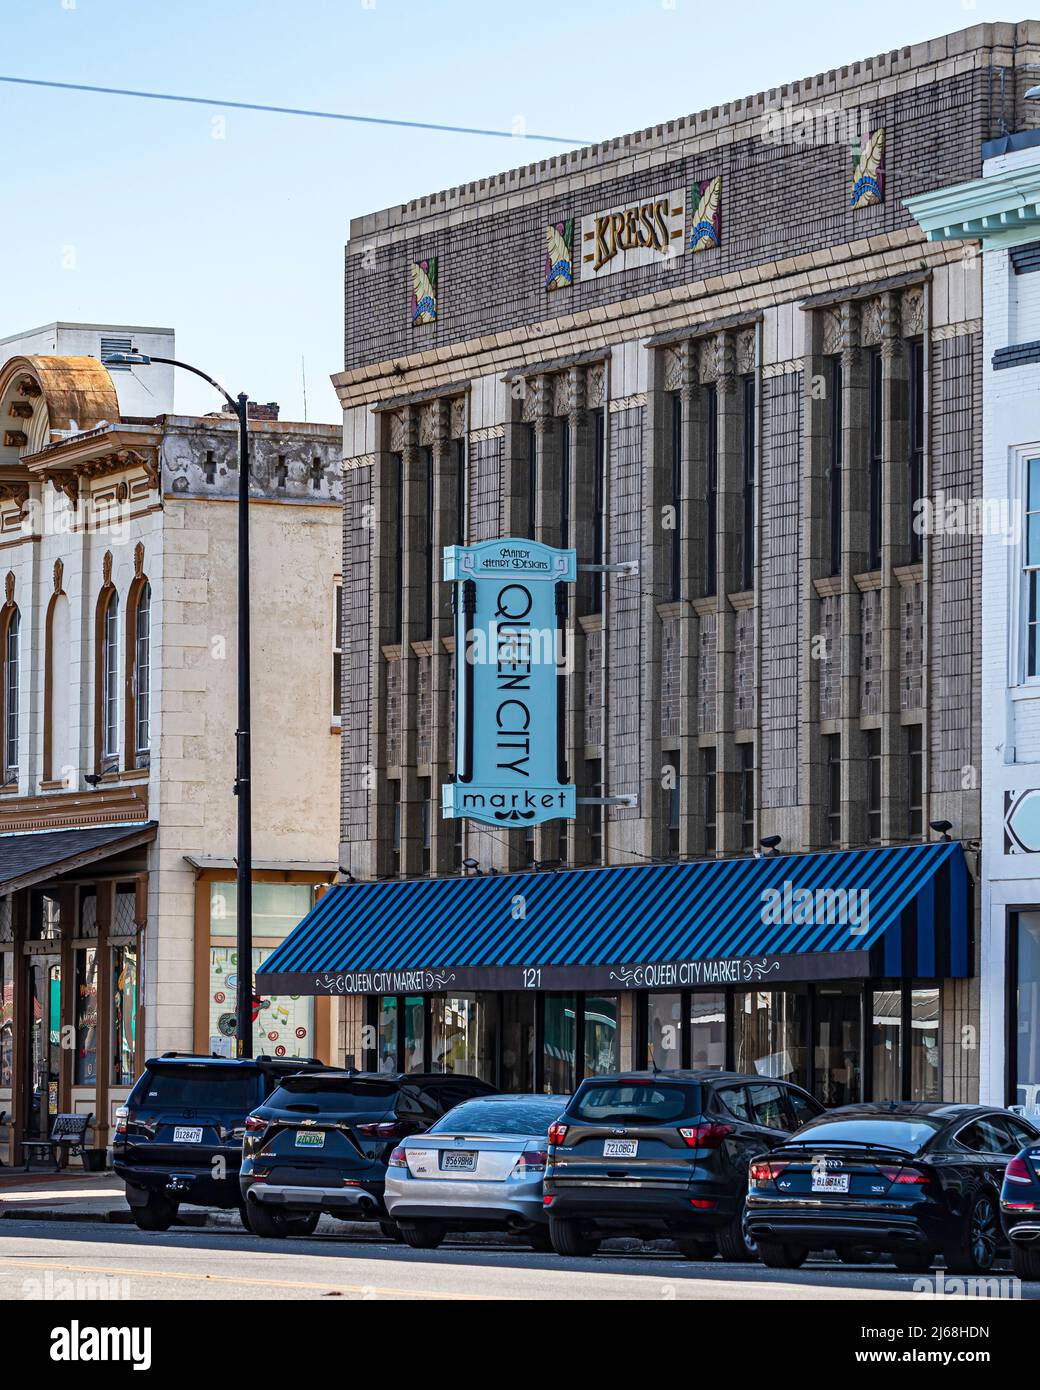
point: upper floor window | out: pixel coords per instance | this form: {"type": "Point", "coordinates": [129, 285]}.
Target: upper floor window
{"type": "Point", "coordinates": [834, 469]}
{"type": "Point", "coordinates": [747, 534]}
{"type": "Point", "coordinates": [337, 651]}
{"type": "Point", "coordinates": [11, 642]}
{"type": "Point", "coordinates": [1032, 568]}
{"type": "Point", "coordinates": [110, 679]}
{"type": "Point", "coordinates": [876, 446]}
{"type": "Point", "coordinates": [673, 537]}
{"type": "Point", "coordinates": [142, 682]}
{"type": "Point", "coordinates": [916, 441]}
{"type": "Point", "coordinates": [711, 490]}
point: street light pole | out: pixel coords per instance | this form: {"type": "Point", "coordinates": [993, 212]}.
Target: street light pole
{"type": "Point", "coordinates": [244, 857]}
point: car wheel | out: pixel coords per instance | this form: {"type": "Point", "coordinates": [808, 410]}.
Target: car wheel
{"type": "Point", "coordinates": [781, 1256]}
{"type": "Point", "coordinates": [1025, 1261]}
{"type": "Point", "coordinates": [421, 1235]}
{"type": "Point", "coordinates": [976, 1249]}
{"type": "Point", "coordinates": [390, 1230]}
{"type": "Point", "coordinates": [158, 1213]}
{"type": "Point", "coordinates": [279, 1224]}
{"type": "Point", "coordinates": [243, 1215]}
{"type": "Point", "coordinates": [913, 1261]}
{"type": "Point", "coordinates": [857, 1255]}
{"type": "Point", "coordinates": [568, 1238]}
{"type": "Point", "coordinates": [697, 1247]}
{"type": "Point", "coordinates": [736, 1243]}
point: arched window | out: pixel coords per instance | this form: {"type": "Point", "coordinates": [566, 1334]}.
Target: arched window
{"type": "Point", "coordinates": [110, 680]}
{"type": "Point", "coordinates": [11, 633]}
{"type": "Point", "coordinates": [56, 682]}
{"type": "Point", "coordinates": [141, 686]}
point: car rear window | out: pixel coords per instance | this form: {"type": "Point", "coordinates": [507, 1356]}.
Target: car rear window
{"type": "Point", "coordinates": [633, 1103]}
{"type": "Point", "coordinates": [317, 1095]}
{"type": "Point", "coordinates": [200, 1087]}
{"type": "Point", "coordinates": [525, 1116]}
{"type": "Point", "coordinates": [910, 1134]}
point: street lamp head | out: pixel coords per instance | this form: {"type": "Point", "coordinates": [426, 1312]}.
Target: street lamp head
{"type": "Point", "coordinates": [125, 359]}
{"type": "Point", "coordinates": [1033, 94]}
{"type": "Point", "coordinates": [941, 827]}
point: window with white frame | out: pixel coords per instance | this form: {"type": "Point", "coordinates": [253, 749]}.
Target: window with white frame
{"type": "Point", "coordinates": [337, 651]}
{"type": "Point", "coordinates": [1031, 567]}
{"type": "Point", "coordinates": [143, 670]}
{"type": "Point", "coordinates": [110, 680]}
{"type": "Point", "coordinates": [10, 697]}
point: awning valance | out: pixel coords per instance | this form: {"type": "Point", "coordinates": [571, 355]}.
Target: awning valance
{"type": "Point", "coordinates": [900, 912]}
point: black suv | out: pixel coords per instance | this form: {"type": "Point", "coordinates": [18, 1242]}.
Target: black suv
{"type": "Point", "coordinates": [321, 1142]}
{"type": "Point", "coordinates": [1020, 1211]}
{"type": "Point", "coordinates": [178, 1138]}
{"type": "Point", "coordinates": [665, 1153]}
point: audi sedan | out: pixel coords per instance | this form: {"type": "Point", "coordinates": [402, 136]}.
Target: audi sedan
{"type": "Point", "coordinates": [479, 1167]}
{"type": "Point", "coordinates": [910, 1180]}
{"type": "Point", "coordinates": [1020, 1212]}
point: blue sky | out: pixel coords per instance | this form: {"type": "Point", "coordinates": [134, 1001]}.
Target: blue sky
{"type": "Point", "coordinates": [129, 211]}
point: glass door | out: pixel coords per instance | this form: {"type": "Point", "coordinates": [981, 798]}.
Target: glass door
{"type": "Point", "coordinates": [44, 1046]}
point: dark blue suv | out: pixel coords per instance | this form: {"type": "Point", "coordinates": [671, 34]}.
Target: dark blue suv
{"type": "Point", "coordinates": [1020, 1211]}
{"type": "Point", "coordinates": [178, 1138]}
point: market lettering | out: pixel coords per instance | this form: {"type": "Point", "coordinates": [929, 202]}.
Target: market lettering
{"type": "Point", "coordinates": [643, 226]}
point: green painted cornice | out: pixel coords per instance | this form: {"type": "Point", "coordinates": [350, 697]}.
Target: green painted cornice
{"type": "Point", "coordinates": [998, 211]}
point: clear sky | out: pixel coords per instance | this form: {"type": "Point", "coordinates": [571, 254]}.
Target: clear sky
{"type": "Point", "coordinates": [126, 211]}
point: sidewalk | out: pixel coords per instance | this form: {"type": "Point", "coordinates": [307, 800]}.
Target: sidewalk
{"type": "Point", "coordinates": [71, 1195]}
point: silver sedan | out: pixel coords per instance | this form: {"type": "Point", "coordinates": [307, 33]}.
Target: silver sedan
{"type": "Point", "coordinates": [480, 1167]}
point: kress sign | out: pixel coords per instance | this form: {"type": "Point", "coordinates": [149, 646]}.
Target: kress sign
{"type": "Point", "coordinates": [634, 234]}
{"type": "Point", "coordinates": [509, 665]}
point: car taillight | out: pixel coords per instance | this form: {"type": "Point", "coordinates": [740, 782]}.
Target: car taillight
{"type": "Point", "coordinates": [905, 1177]}
{"type": "Point", "coordinates": [531, 1161]}
{"type": "Point", "coordinates": [708, 1136]}
{"type": "Point", "coordinates": [398, 1159]}
{"type": "Point", "coordinates": [386, 1129]}
{"type": "Point", "coordinates": [254, 1124]}
{"type": "Point", "coordinates": [1018, 1171]}
{"type": "Point", "coordinates": [702, 1203]}
{"type": "Point", "coordinates": [121, 1117]}
{"type": "Point", "coordinates": [557, 1132]}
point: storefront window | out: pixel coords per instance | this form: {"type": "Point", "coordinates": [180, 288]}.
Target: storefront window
{"type": "Point", "coordinates": [887, 1044]}
{"type": "Point", "coordinates": [924, 1044]}
{"type": "Point", "coordinates": [414, 1033]}
{"type": "Point", "coordinates": [518, 1034]}
{"type": "Point", "coordinates": [664, 1031]}
{"type": "Point", "coordinates": [86, 1018]}
{"type": "Point", "coordinates": [558, 1043]}
{"type": "Point", "coordinates": [124, 1014]}
{"type": "Point", "coordinates": [1027, 1011]}
{"type": "Point", "coordinates": [386, 1034]}
{"type": "Point", "coordinates": [6, 1018]}
{"type": "Point", "coordinates": [769, 1030]}
{"type": "Point", "coordinates": [284, 1023]}
{"type": "Point", "coordinates": [838, 1044]}
{"type": "Point", "coordinates": [463, 1034]}
{"type": "Point", "coordinates": [708, 1031]}
{"type": "Point", "coordinates": [602, 1052]}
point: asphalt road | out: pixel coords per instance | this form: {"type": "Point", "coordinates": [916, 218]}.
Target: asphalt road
{"type": "Point", "coordinates": [77, 1260]}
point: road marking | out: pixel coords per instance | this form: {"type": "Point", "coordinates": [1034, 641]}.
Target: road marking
{"type": "Point", "coordinates": [37, 1263]}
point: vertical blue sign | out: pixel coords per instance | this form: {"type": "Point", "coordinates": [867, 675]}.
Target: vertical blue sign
{"type": "Point", "coordinates": [509, 665]}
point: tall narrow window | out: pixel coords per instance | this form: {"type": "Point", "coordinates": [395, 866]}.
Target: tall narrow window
{"type": "Point", "coordinates": [673, 804]}
{"type": "Point", "coordinates": [12, 638]}
{"type": "Point", "coordinates": [594, 787]}
{"type": "Point", "coordinates": [747, 539]}
{"type": "Point", "coordinates": [834, 472]}
{"type": "Point", "coordinates": [110, 680]}
{"type": "Point", "coordinates": [832, 753]}
{"type": "Point", "coordinates": [396, 624]}
{"type": "Point", "coordinates": [565, 483]}
{"type": "Point", "coordinates": [708, 783]}
{"type": "Point", "coordinates": [142, 686]}
{"type": "Point", "coordinates": [426, 811]}
{"type": "Point", "coordinates": [747, 795]}
{"type": "Point", "coordinates": [461, 484]}
{"type": "Point", "coordinates": [337, 651]}
{"type": "Point", "coordinates": [532, 482]}
{"type": "Point", "coordinates": [1032, 569]}
{"type": "Point", "coordinates": [675, 534]}
{"type": "Point", "coordinates": [916, 443]}
{"type": "Point", "coordinates": [395, 827]}
{"type": "Point", "coordinates": [876, 442]}
{"type": "Point", "coordinates": [594, 602]}
{"type": "Point", "coordinates": [915, 790]}
{"type": "Point", "coordinates": [711, 495]}
{"type": "Point", "coordinates": [425, 627]}
{"type": "Point", "coordinates": [874, 785]}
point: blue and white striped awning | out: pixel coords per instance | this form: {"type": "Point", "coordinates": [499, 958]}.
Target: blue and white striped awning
{"type": "Point", "coordinates": [900, 912]}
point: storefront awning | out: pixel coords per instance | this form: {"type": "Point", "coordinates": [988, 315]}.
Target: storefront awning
{"type": "Point", "coordinates": [901, 912]}
{"type": "Point", "coordinates": [41, 854]}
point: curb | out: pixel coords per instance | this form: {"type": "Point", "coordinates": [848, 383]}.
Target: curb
{"type": "Point", "coordinates": [114, 1217]}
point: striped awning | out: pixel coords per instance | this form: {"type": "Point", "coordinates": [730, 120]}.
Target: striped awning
{"type": "Point", "coordinates": [899, 912]}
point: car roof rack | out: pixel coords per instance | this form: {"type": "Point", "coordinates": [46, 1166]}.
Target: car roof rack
{"type": "Point", "coordinates": [289, 1061]}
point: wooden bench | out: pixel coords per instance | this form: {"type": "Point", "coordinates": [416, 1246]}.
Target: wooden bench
{"type": "Point", "coordinates": [66, 1137]}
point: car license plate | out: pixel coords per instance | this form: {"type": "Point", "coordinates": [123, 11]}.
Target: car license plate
{"type": "Point", "coordinates": [620, 1148]}
{"type": "Point", "coordinates": [310, 1139]}
{"type": "Point", "coordinates": [459, 1161]}
{"type": "Point", "coordinates": [187, 1134]}
{"type": "Point", "coordinates": [830, 1182]}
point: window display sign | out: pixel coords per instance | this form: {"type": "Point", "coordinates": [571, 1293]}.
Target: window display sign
{"type": "Point", "coordinates": [509, 667]}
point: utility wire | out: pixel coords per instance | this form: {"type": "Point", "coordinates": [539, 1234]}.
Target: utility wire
{"type": "Point", "coordinates": [290, 111]}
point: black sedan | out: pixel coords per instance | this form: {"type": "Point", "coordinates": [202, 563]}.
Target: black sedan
{"type": "Point", "coordinates": [912, 1180]}
{"type": "Point", "coordinates": [1020, 1212]}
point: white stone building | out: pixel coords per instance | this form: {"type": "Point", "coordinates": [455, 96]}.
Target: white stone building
{"type": "Point", "coordinates": [144, 395]}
